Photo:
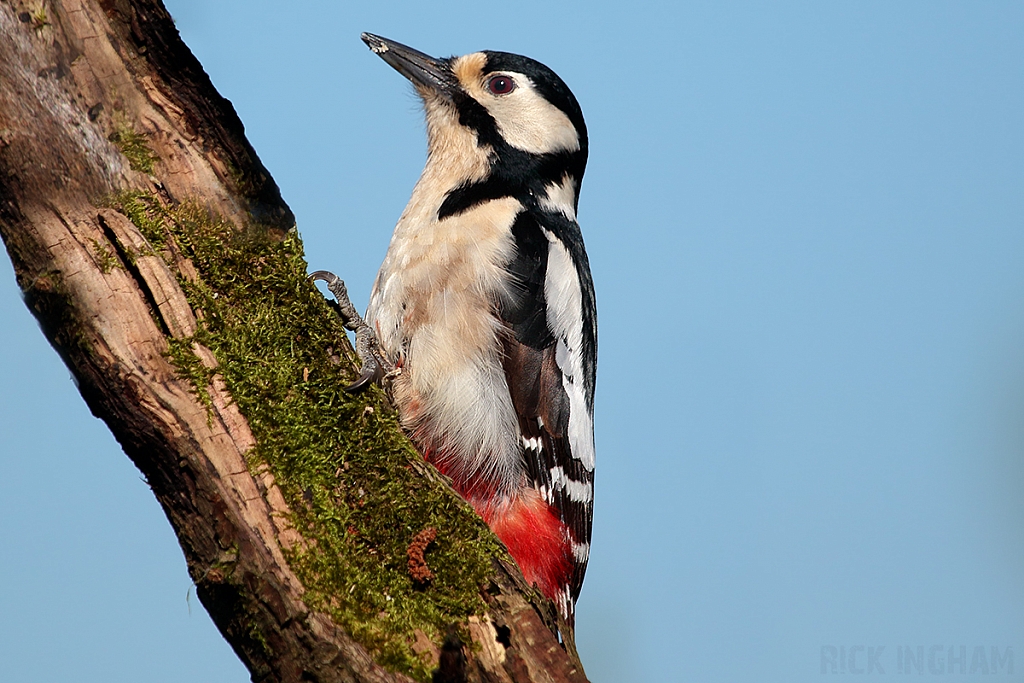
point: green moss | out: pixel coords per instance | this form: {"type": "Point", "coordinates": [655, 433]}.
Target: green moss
{"type": "Point", "coordinates": [244, 182]}
{"type": "Point", "coordinates": [133, 145]}
{"type": "Point", "coordinates": [105, 257]}
{"type": "Point", "coordinates": [341, 461]}
{"type": "Point", "coordinates": [191, 367]}
{"type": "Point", "coordinates": [40, 20]}
{"type": "Point", "coordinates": [142, 210]}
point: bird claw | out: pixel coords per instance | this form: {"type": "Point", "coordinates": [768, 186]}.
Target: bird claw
{"type": "Point", "coordinates": [367, 347]}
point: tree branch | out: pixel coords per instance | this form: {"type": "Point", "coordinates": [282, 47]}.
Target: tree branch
{"type": "Point", "coordinates": [162, 264]}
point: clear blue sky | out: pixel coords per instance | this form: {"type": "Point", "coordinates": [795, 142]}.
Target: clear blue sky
{"type": "Point", "coordinates": [806, 225]}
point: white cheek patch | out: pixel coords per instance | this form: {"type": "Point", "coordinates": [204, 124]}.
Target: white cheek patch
{"type": "Point", "coordinates": [565, 319]}
{"type": "Point", "coordinates": [561, 198]}
{"type": "Point", "coordinates": [529, 122]}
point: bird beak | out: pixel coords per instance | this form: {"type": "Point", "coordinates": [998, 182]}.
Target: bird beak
{"type": "Point", "coordinates": [423, 70]}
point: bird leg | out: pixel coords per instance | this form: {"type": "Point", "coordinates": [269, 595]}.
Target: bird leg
{"type": "Point", "coordinates": [367, 347]}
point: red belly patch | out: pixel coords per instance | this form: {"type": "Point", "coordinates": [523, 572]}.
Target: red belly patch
{"type": "Point", "coordinates": [530, 528]}
{"type": "Point", "coordinates": [534, 535]}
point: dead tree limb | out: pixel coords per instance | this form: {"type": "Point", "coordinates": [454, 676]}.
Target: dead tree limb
{"type": "Point", "coordinates": [163, 265]}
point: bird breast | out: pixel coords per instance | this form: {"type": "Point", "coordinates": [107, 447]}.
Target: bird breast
{"type": "Point", "coordinates": [433, 307]}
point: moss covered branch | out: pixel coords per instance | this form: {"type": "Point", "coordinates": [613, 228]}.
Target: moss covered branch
{"type": "Point", "coordinates": [166, 270]}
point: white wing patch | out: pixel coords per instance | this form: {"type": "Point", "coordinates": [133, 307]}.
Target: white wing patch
{"type": "Point", "coordinates": [578, 491]}
{"type": "Point", "coordinates": [563, 600]}
{"type": "Point", "coordinates": [565, 318]}
{"type": "Point", "coordinates": [581, 551]}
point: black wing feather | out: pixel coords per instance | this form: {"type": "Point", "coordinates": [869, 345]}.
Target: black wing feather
{"type": "Point", "coordinates": [534, 379]}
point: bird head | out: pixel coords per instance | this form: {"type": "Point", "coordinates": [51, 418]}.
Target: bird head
{"type": "Point", "coordinates": [514, 110]}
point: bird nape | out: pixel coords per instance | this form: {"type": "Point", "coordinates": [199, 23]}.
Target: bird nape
{"type": "Point", "coordinates": [483, 318]}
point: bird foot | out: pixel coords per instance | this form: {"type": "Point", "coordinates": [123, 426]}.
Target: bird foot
{"type": "Point", "coordinates": [374, 367]}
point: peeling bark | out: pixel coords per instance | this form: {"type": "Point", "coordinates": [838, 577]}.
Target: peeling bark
{"type": "Point", "coordinates": [75, 77]}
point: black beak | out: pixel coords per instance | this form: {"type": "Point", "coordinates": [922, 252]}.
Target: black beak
{"type": "Point", "coordinates": [423, 70]}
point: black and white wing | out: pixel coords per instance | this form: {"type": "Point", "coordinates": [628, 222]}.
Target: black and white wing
{"type": "Point", "coordinates": [550, 364]}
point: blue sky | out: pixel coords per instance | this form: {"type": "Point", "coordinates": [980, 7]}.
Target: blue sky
{"type": "Point", "coordinates": [806, 226]}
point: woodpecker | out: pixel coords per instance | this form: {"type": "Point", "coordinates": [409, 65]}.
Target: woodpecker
{"type": "Point", "coordinates": [484, 306]}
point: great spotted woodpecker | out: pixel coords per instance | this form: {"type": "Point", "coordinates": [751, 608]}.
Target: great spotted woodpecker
{"type": "Point", "coordinates": [485, 305]}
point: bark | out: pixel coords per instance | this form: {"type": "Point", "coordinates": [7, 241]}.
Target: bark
{"type": "Point", "coordinates": [119, 161]}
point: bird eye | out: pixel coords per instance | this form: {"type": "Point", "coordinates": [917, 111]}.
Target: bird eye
{"type": "Point", "coordinates": [501, 85]}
